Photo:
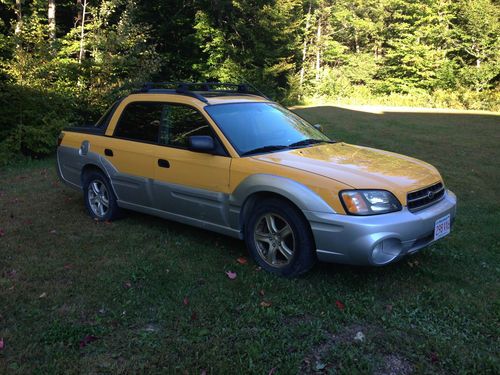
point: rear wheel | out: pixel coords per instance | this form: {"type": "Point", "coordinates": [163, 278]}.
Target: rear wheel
{"type": "Point", "coordinates": [99, 197]}
{"type": "Point", "coordinates": [279, 238]}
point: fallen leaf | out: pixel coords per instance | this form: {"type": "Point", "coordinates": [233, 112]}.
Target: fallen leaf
{"type": "Point", "coordinates": [339, 305]}
{"type": "Point", "coordinates": [258, 268]}
{"type": "Point", "coordinates": [87, 340]}
{"type": "Point", "coordinates": [185, 301]}
{"type": "Point", "coordinates": [231, 275]}
{"type": "Point", "coordinates": [203, 372]}
{"type": "Point", "coordinates": [413, 264]}
{"type": "Point", "coordinates": [242, 260]}
{"type": "Point", "coordinates": [359, 337]}
{"type": "Point", "coordinates": [43, 295]}
{"type": "Point", "coordinates": [272, 371]}
{"type": "Point", "coordinates": [261, 292]}
{"type": "Point", "coordinates": [2, 233]}
{"type": "Point", "coordinates": [2, 344]}
{"type": "Point", "coordinates": [433, 357]}
{"type": "Point", "coordinates": [68, 266]}
{"type": "Point", "coordinates": [11, 274]}
{"type": "Point", "coordinates": [127, 285]}
{"type": "Point", "coordinates": [318, 366]}
{"type": "Point", "coordinates": [265, 304]}
{"type": "Point", "coordinates": [53, 231]}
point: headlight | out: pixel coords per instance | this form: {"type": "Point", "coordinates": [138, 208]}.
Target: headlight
{"type": "Point", "coordinates": [369, 202]}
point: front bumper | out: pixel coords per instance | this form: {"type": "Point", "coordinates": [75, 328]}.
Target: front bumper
{"type": "Point", "coordinates": [380, 239]}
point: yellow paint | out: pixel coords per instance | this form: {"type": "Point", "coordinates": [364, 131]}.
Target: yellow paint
{"type": "Point", "coordinates": [325, 169]}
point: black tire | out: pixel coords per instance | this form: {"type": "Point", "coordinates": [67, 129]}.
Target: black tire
{"type": "Point", "coordinates": [271, 253]}
{"type": "Point", "coordinates": [112, 211]}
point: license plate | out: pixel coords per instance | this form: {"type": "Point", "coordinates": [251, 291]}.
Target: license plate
{"type": "Point", "coordinates": [442, 227]}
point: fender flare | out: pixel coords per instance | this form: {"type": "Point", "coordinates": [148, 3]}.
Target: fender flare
{"type": "Point", "coordinates": [302, 196]}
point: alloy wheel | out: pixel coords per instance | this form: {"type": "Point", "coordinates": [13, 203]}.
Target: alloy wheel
{"type": "Point", "coordinates": [274, 240]}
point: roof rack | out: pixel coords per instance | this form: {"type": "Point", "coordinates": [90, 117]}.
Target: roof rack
{"type": "Point", "coordinates": [196, 89]}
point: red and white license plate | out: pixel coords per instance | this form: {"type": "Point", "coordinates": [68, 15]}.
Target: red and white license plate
{"type": "Point", "coordinates": [442, 227]}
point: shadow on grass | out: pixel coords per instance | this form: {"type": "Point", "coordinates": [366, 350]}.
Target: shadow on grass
{"type": "Point", "coordinates": [234, 248]}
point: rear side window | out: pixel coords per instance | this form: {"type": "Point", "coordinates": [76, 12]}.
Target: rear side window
{"type": "Point", "coordinates": [140, 121]}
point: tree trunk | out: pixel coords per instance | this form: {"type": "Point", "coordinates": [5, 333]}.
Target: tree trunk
{"type": "Point", "coordinates": [52, 20]}
{"type": "Point", "coordinates": [356, 41]}
{"type": "Point", "coordinates": [304, 47]}
{"type": "Point", "coordinates": [318, 50]}
{"type": "Point", "coordinates": [19, 16]}
{"type": "Point", "coordinates": [82, 34]}
{"type": "Point", "coordinates": [78, 18]}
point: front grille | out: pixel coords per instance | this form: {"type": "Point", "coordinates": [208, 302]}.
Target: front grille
{"type": "Point", "coordinates": [425, 197]}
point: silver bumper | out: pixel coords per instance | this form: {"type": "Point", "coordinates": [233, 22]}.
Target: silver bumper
{"type": "Point", "coordinates": [377, 240]}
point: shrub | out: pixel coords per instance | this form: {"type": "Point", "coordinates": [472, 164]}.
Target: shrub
{"type": "Point", "coordinates": [31, 120]}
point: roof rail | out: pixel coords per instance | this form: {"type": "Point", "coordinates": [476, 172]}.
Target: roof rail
{"type": "Point", "coordinates": [196, 89]}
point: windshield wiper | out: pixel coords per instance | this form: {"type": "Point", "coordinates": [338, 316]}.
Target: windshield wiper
{"type": "Point", "coordinates": [264, 149]}
{"type": "Point", "coordinates": [309, 141]}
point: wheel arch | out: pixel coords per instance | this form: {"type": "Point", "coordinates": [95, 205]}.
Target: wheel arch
{"type": "Point", "coordinates": [89, 167]}
{"type": "Point", "coordinates": [262, 186]}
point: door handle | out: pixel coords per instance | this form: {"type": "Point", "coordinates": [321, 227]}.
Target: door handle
{"type": "Point", "coordinates": [163, 163]}
{"type": "Point", "coordinates": [108, 152]}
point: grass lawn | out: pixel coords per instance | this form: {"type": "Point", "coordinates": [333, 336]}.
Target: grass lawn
{"type": "Point", "coordinates": [145, 295]}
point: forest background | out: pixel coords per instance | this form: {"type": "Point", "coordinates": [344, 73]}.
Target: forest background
{"type": "Point", "coordinates": [63, 62]}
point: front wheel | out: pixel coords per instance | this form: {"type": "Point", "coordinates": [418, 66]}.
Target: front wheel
{"type": "Point", "coordinates": [99, 197]}
{"type": "Point", "coordinates": [279, 238]}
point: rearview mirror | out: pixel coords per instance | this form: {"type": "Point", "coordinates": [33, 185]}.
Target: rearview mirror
{"type": "Point", "coordinates": [319, 127]}
{"type": "Point", "coordinates": [201, 143]}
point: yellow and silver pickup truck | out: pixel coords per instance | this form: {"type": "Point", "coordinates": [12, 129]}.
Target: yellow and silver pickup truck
{"type": "Point", "coordinates": [225, 158]}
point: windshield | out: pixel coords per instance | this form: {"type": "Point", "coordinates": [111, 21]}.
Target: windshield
{"type": "Point", "coordinates": [263, 127]}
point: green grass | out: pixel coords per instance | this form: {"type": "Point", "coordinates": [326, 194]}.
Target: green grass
{"type": "Point", "coordinates": [64, 277]}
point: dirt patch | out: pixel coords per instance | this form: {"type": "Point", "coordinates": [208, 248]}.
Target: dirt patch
{"type": "Point", "coordinates": [316, 361]}
{"type": "Point", "coordinates": [394, 365]}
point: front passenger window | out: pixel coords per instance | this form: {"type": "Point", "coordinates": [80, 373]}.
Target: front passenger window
{"type": "Point", "coordinates": [181, 122]}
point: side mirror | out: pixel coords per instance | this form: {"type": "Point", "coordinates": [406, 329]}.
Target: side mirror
{"type": "Point", "coordinates": [201, 143]}
{"type": "Point", "coordinates": [319, 127]}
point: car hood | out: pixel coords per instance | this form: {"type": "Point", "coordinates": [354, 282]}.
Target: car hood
{"type": "Point", "coordinates": [359, 167]}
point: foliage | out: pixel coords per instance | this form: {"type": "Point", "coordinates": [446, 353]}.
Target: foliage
{"type": "Point", "coordinates": [438, 52]}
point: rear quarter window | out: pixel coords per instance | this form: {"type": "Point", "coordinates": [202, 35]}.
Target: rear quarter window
{"type": "Point", "coordinates": [140, 121]}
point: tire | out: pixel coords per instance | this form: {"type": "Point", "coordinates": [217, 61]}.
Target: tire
{"type": "Point", "coordinates": [279, 238]}
{"type": "Point", "coordinates": [99, 197]}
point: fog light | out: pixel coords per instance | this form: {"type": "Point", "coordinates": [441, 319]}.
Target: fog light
{"type": "Point", "coordinates": [386, 251]}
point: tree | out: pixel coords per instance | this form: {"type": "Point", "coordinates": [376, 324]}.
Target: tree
{"type": "Point", "coordinates": [51, 17]}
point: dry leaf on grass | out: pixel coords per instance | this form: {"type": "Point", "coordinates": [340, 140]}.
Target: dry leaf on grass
{"type": "Point", "coordinates": [87, 340]}
{"type": "Point", "coordinates": [339, 305]}
{"type": "Point", "coordinates": [242, 260]}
